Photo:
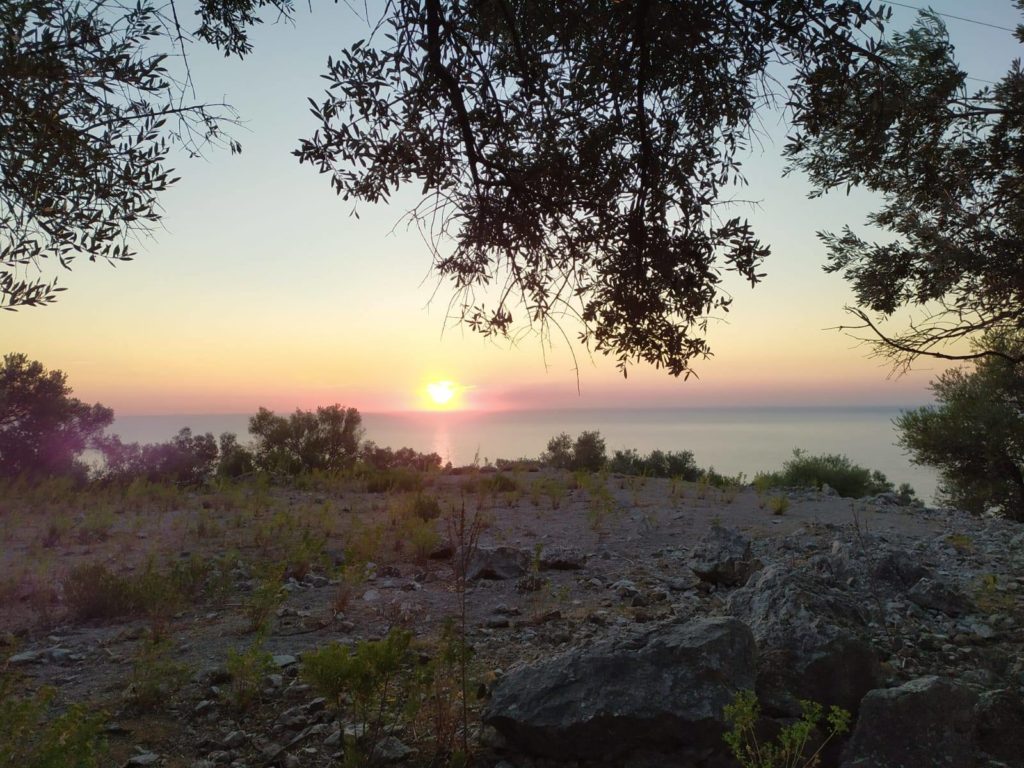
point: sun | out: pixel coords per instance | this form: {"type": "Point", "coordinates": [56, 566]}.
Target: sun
{"type": "Point", "coordinates": [441, 392]}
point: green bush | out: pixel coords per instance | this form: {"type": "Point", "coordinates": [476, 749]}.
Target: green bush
{"type": "Point", "coordinates": [793, 742]}
{"type": "Point", "coordinates": [29, 738]}
{"type": "Point", "coordinates": [974, 435]}
{"type": "Point", "coordinates": [834, 470]}
{"type": "Point", "coordinates": [92, 591]}
{"type": "Point", "coordinates": [247, 669]}
{"type": "Point", "coordinates": [586, 454]}
{"type": "Point", "coordinates": [679, 464]}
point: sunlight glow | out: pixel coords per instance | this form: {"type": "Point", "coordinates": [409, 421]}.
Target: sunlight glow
{"type": "Point", "coordinates": [441, 392]}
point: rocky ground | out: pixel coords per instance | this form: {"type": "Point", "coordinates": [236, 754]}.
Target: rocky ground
{"type": "Point", "coordinates": [611, 620]}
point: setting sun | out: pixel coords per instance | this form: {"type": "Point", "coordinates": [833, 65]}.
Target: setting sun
{"type": "Point", "coordinates": [441, 392]}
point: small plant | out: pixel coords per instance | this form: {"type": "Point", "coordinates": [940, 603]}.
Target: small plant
{"type": "Point", "coordinates": [31, 739]}
{"type": "Point", "coordinates": [247, 669]}
{"type": "Point", "coordinates": [265, 598]}
{"type": "Point", "coordinates": [92, 591]}
{"type": "Point", "coordinates": [789, 751]}
{"type": "Point", "coordinates": [155, 676]}
{"type": "Point", "coordinates": [961, 542]}
{"type": "Point", "coordinates": [778, 505]}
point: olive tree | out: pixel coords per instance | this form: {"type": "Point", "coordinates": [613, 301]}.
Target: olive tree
{"type": "Point", "coordinates": [974, 435]}
{"type": "Point", "coordinates": [43, 429]}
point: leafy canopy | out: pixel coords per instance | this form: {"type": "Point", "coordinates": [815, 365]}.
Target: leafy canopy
{"type": "Point", "coordinates": [578, 154]}
{"type": "Point", "coordinates": [89, 107]}
{"type": "Point", "coordinates": [43, 429]}
{"type": "Point", "coordinates": [974, 435]}
{"type": "Point", "coordinates": [948, 164]}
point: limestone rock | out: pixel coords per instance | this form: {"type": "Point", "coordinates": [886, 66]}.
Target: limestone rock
{"type": "Point", "coordinates": [662, 688]}
{"type": "Point", "coordinates": [927, 721]}
{"type": "Point", "coordinates": [723, 556]}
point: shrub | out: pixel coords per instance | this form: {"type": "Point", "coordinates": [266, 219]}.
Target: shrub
{"type": "Point", "coordinates": [587, 453]}
{"type": "Point", "coordinates": [834, 470]}
{"type": "Point", "coordinates": [974, 435]}
{"type": "Point", "coordinates": [385, 481]}
{"type": "Point", "coordinates": [366, 677]}
{"type": "Point", "coordinates": [404, 458]}
{"type": "Point", "coordinates": [30, 739]}
{"type": "Point", "coordinates": [306, 441]}
{"type": "Point", "coordinates": [235, 460]}
{"type": "Point", "coordinates": [91, 591]}
{"type": "Point", "coordinates": [186, 459]}
{"type": "Point", "coordinates": [778, 505]}
{"type": "Point", "coordinates": [793, 740]}
{"type": "Point", "coordinates": [155, 676]}
{"type": "Point", "coordinates": [247, 669]}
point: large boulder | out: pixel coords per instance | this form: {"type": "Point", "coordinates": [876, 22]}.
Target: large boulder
{"type": "Point", "coordinates": [664, 689]}
{"type": "Point", "coordinates": [723, 556]}
{"type": "Point", "coordinates": [810, 633]}
{"type": "Point", "coordinates": [999, 732]}
{"type": "Point", "coordinates": [929, 721]}
{"type": "Point", "coordinates": [938, 596]}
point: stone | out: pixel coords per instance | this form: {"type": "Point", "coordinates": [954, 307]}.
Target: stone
{"type": "Point", "coordinates": [723, 556]}
{"type": "Point", "coordinates": [390, 749]}
{"type": "Point", "coordinates": [234, 740]}
{"type": "Point", "coordinates": [899, 568]}
{"type": "Point", "coordinates": [143, 759]}
{"type": "Point", "coordinates": [999, 732]}
{"type": "Point", "coordinates": [283, 660]}
{"type": "Point", "coordinates": [810, 633]}
{"type": "Point", "coordinates": [937, 596]}
{"type": "Point", "coordinates": [927, 721]}
{"type": "Point", "coordinates": [498, 563]}
{"type": "Point", "coordinates": [562, 559]}
{"type": "Point", "coordinates": [662, 688]}
{"type": "Point", "coordinates": [25, 657]}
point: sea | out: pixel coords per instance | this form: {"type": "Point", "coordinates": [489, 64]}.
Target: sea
{"type": "Point", "coordinates": [732, 440]}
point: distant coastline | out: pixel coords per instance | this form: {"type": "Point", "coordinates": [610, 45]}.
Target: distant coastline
{"type": "Point", "coordinates": [732, 439]}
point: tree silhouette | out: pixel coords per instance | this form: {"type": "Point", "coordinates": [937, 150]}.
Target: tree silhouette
{"type": "Point", "coordinates": [578, 154]}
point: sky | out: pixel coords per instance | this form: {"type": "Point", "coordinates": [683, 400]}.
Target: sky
{"type": "Point", "coordinates": [261, 288]}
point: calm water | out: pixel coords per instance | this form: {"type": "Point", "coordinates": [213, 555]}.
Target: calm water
{"type": "Point", "coordinates": [730, 439]}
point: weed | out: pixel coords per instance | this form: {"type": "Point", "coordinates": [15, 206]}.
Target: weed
{"type": "Point", "coordinates": [29, 739]}
{"type": "Point", "coordinates": [264, 599]}
{"type": "Point", "coordinates": [247, 669]}
{"type": "Point", "coordinates": [92, 591]}
{"type": "Point", "coordinates": [962, 543]}
{"type": "Point", "coordinates": [792, 744]}
{"type": "Point", "coordinates": [155, 676]}
{"type": "Point", "coordinates": [778, 505]}
{"type": "Point", "coordinates": [991, 598]}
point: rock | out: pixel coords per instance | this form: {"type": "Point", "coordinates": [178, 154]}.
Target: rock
{"type": "Point", "coordinates": [810, 633]}
{"type": "Point", "coordinates": [662, 688]}
{"type": "Point", "coordinates": [145, 758]}
{"type": "Point", "coordinates": [933, 594]}
{"type": "Point", "coordinates": [928, 721]}
{"type": "Point", "coordinates": [234, 740]}
{"type": "Point", "coordinates": [498, 563]}
{"type": "Point", "coordinates": [283, 660]}
{"type": "Point", "coordinates": [25, 657]}
{"type": "Point", "coordinates": [723, 556]}
{"type": "Point", "coordinates": [272, 751]}
{"type": "Point", "coordinates": [899, 568]}
{"type": "Point", "coordinates": [391, 750]}
{"type": "Point", "coordinates": [562, 559]}
{"type": "Point", "coordinates": [1000, 726]}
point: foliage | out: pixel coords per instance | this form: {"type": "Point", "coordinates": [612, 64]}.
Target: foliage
{"type": "Point", "coordinates": [235, 460]}
{"type": "Point", "coordinates": [404, 458]}
{"type": "Point", "coordinates": [657, 463]}
{"type": "Point", "coordinates": [576, 154]}
{"type": "Point", "coordinates": [587, 453]}
{"type": "Point", "coordinates": [247, 669]}
{"type": "Point", "coordinates": [306, 441]}
{"type": "Point", "coordinates": [88, 111]}
{"type": "Point", "coordinates": [790, 749]}
{"type": "Point", "coordinates": [43, 430]}
{"type": "Point", "coordinates": [974, 435]}
{"type": "Point", "coordinates": [92, 591]}
{"type": "Point", "coordinates": [185, 459]}
{"type": "Point", "coordinates": [155, 676]}
{"type": "Point", "coordinates": [778, 505]}
{"type": "Point", "coordinates": [835, 470]}
{"type": "Point", "coordinates": [946, 163]}
{"type": "Point", "coordinates": [31, 739]}
{"type": "Point", "coordinates": [372, 679]}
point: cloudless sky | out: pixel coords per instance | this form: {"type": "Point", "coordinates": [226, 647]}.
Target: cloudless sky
{"type": "Point", "coordinates": [262, 289]}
